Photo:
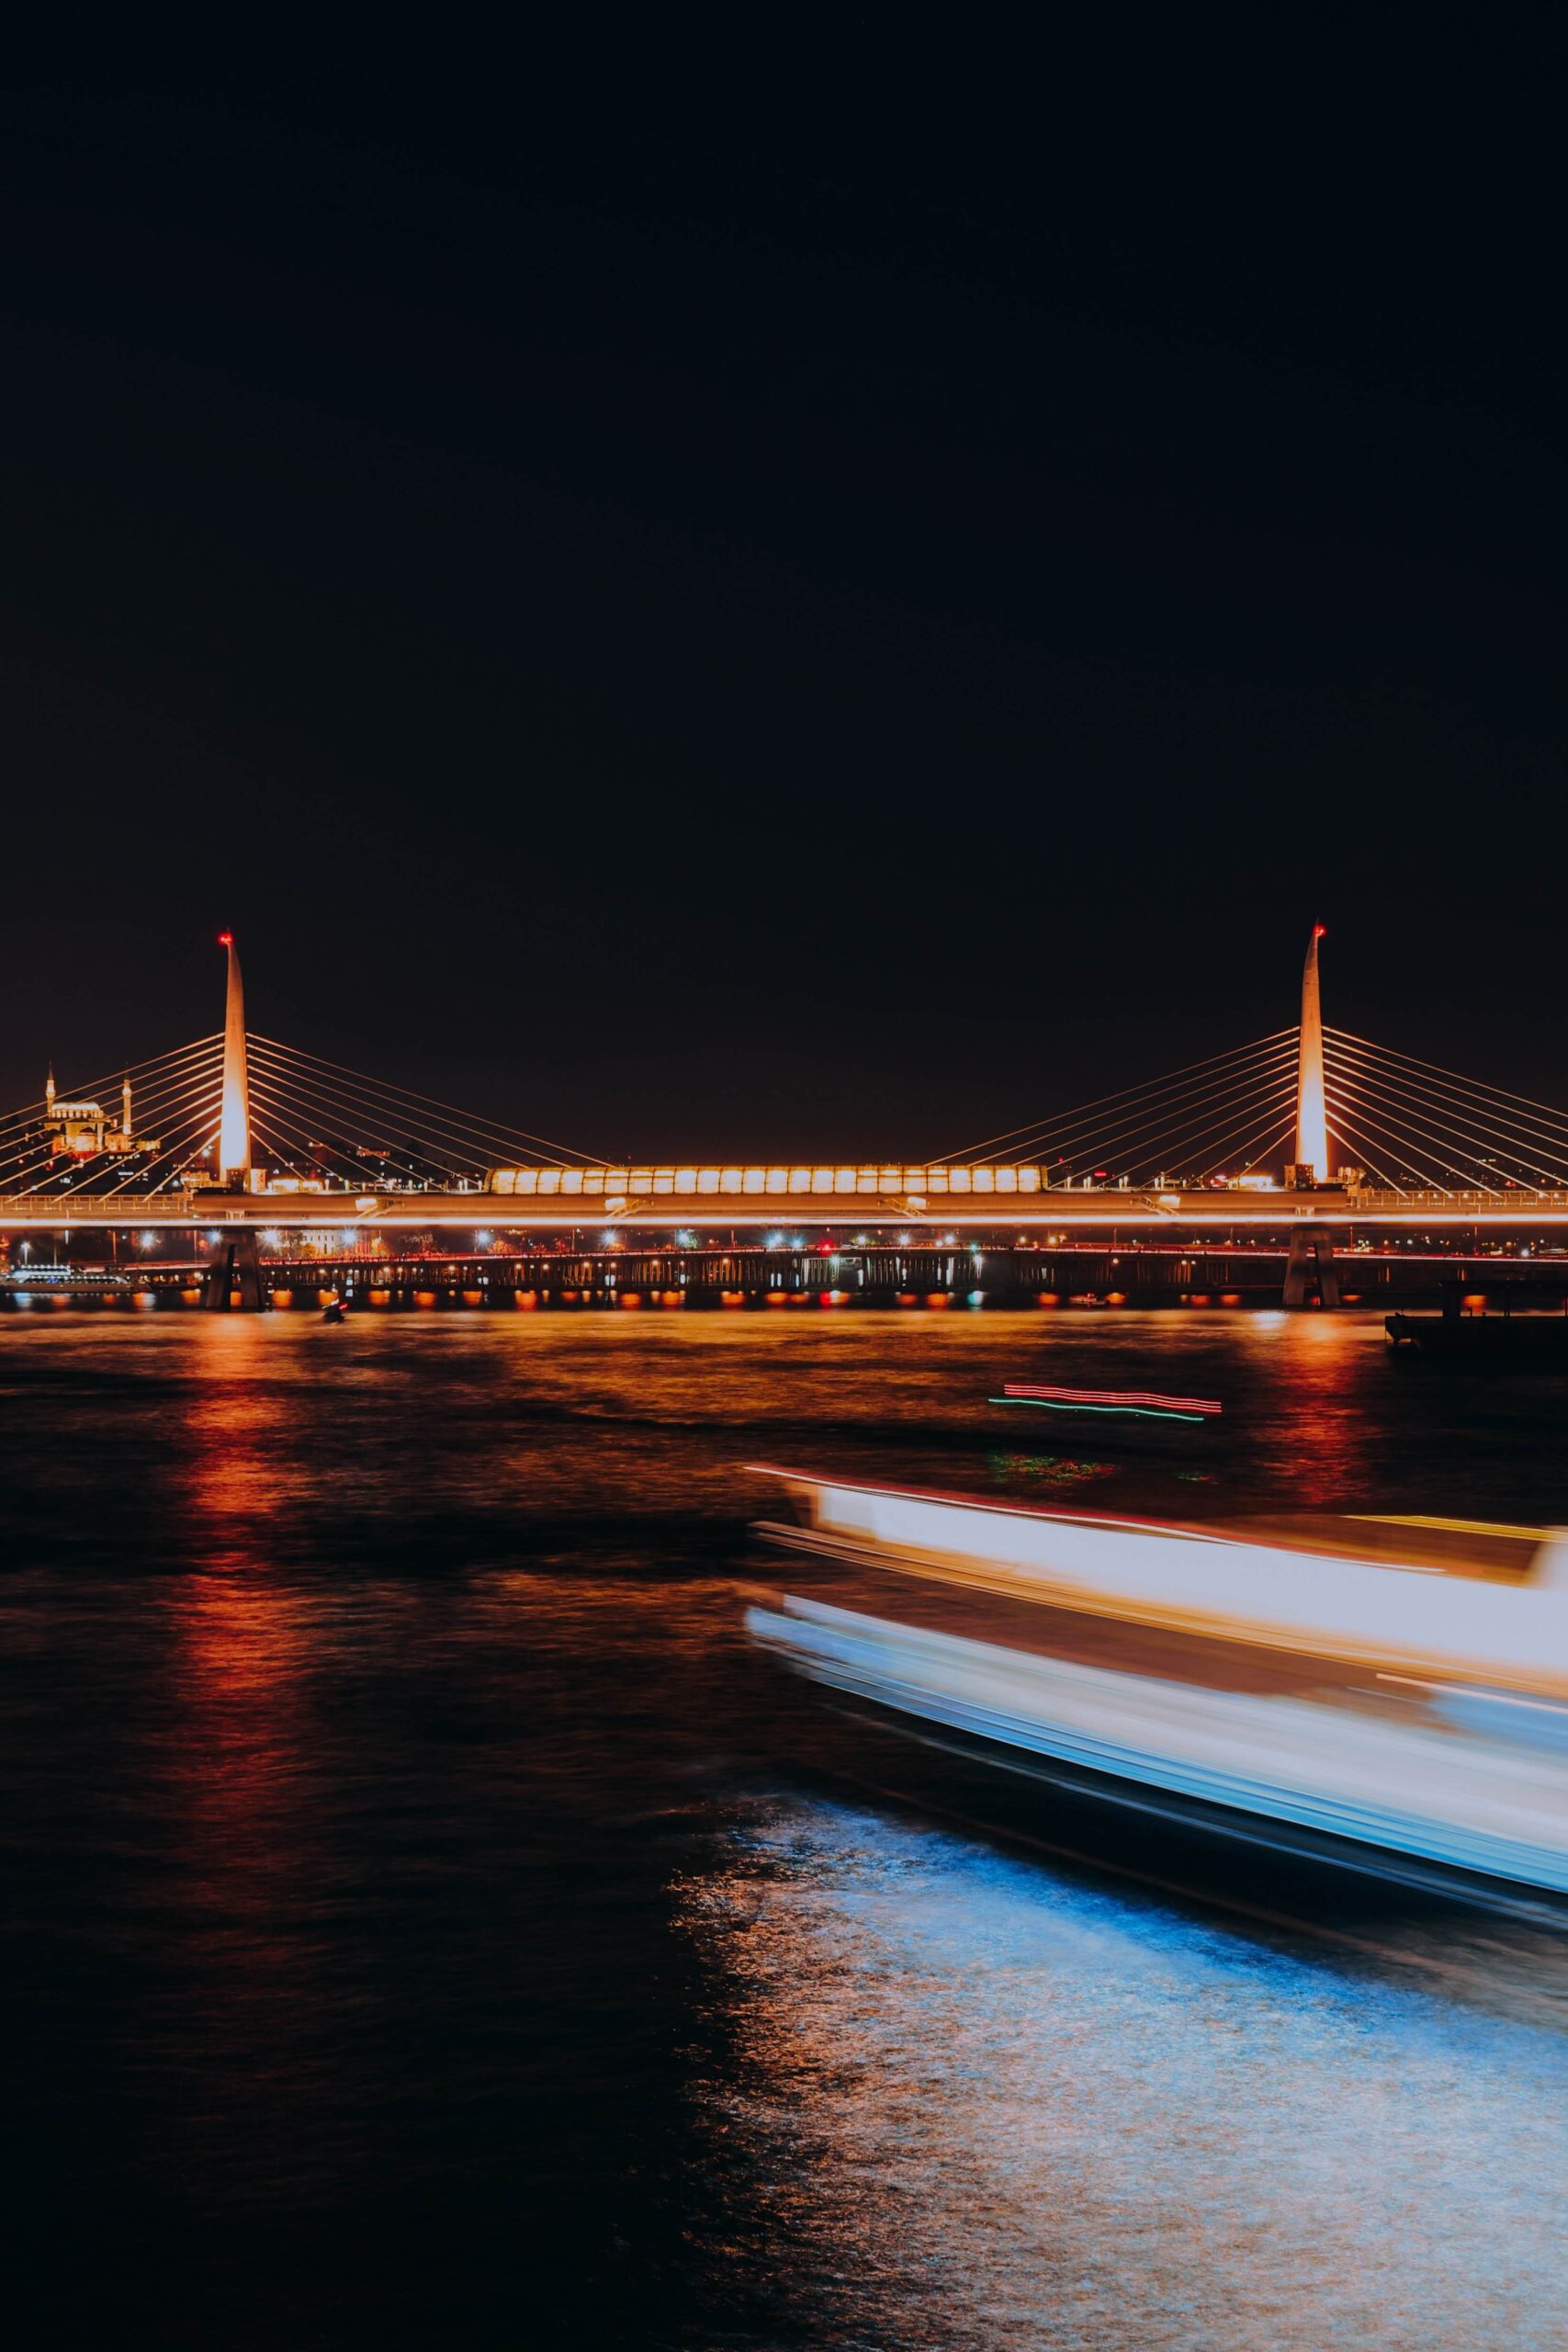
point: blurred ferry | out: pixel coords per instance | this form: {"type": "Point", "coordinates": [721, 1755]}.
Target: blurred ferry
{"type": "Point", "coordinates": [1401, 1683]}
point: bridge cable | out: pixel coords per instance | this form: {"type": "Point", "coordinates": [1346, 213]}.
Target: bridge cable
{"type": "Point", "coordinates": [943, 1160]}
{"type": "Point", "coordinates": [537, 1143]}
{"type": "Point", "coordinates": [1151, 1128]}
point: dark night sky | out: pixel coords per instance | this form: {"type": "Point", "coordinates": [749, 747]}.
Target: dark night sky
{"type": "Point", "coordinates": [820, 596]}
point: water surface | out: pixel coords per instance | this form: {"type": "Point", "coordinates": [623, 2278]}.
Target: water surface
{"type": "Point", "coordinates": [428, 1922]}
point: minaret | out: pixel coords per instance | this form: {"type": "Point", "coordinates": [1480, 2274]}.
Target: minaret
{"type": "Point", "coordinates": [1312, 1107]}
{"type": "Point", "coordinates": [49, 1090]}
{"type": "Point", "coordinates": [234, 1123]}
{"type": "Point", "coordinates": [125, 1110]}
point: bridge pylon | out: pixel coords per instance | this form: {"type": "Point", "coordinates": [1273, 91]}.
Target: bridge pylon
{"type": "Point", "coordinates": [1311, 1164]}
{"type": "Point", "coordinates": [1311, 1258]}
{"type": "Point", "coordinates": [234, 1118]}
{"type": "Point", "coordinates": [233, 1276]}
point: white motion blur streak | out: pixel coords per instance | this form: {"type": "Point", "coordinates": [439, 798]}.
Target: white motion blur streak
{"type": "Point", "coordinates": [1477, 1802]}
{"type": "Point", "coordinates": [1271, 1595]}
{"type": "Point", "coordinates": [1431, 1718]}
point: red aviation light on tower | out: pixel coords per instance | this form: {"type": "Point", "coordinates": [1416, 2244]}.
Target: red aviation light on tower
{"type": "Point", "coordinates": [1320, 931]}
{"type": "Point", "coordinates": [225, 939]}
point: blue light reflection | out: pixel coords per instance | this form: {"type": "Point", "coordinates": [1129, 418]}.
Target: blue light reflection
{"type": "Point", "coordinates": [988, 2105]}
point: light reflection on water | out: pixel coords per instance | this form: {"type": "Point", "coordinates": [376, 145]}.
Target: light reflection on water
{"type": "Point", "coordinates": [400, 1951]}
{"type": "Point", "coordinates": [999, 2107]}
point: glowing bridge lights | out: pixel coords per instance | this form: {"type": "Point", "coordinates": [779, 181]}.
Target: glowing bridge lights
{"type": "Point", "coordinates": [619, 1188]}
{"type": "Point", "coordinates": [1374, 1135]}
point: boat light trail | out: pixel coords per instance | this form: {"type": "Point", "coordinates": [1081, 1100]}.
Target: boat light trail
{"type": "Point", "coordinates": [1144, 1401]}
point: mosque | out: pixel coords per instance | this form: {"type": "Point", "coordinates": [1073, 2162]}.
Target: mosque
{"type": "Point", "coordinates": [85, 1130]}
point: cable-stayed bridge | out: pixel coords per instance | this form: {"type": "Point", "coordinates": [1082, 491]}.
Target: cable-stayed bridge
{"type": "Point", "coordinates": [1308, 1130]}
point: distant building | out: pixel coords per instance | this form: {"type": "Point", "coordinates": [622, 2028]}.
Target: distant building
{"type": "Point", "coordinates": [85, 1131]}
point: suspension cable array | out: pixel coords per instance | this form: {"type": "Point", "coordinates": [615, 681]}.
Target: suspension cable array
{"type": "Point", "coordinates": [1414, 1125]}
{"type": "Point", "coordinates": [176, 1099]}
{"type": "Point", "coordinates": [1232, 1112]}
{"type": "Point", "coordinates": [312, 1120]}
{"type": "Point", "coordinates": [316, 1118]}
{"type": "Point", "coordinates": [1410, 1126]}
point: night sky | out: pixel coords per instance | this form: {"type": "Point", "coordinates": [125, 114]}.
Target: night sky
{"type": "Point", "coordinates": [804, 592]}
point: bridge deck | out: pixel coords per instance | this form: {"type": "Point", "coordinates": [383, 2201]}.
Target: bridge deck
{"type": "Point", "coordinates": [1057, 1209]}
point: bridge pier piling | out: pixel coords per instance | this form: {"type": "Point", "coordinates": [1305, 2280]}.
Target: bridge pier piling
{"type": "Point", "coordinates": [235, 1266]}
{"type": "Point", "coordinates": [1310, 1256]}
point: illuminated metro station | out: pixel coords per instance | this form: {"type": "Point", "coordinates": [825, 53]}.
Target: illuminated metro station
{"type": "Point", "coordinates": [910, 1186]}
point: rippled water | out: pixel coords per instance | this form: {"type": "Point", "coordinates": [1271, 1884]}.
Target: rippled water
{"type": "Point", "coordinates": [427, 1922]}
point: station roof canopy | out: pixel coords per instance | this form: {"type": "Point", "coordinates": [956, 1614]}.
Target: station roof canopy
{"type": "Point", "coordinates": [598, 1184]}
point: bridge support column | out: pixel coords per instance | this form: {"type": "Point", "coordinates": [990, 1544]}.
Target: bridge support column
{"type": "Point", "coordinates": [1311, 1258]}
{"type": "Point", "coordinates": [1311, 1101]}
{"type": "Point", "coordinates": [235, 1266]}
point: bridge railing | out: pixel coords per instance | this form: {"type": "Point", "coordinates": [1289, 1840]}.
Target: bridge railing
{"type": "Point", "coordinates": [94, 1208]}
{"type": "Point", "coordinates": [1367, 1198]}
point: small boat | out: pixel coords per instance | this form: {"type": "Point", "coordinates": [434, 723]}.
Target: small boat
{"type": "Point", "coordinates": [1141, 1403]}
{"type": "Point", "coordinates": [1398, 1684]}
{"type": "Point", "coordinates": [334, 1311]}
